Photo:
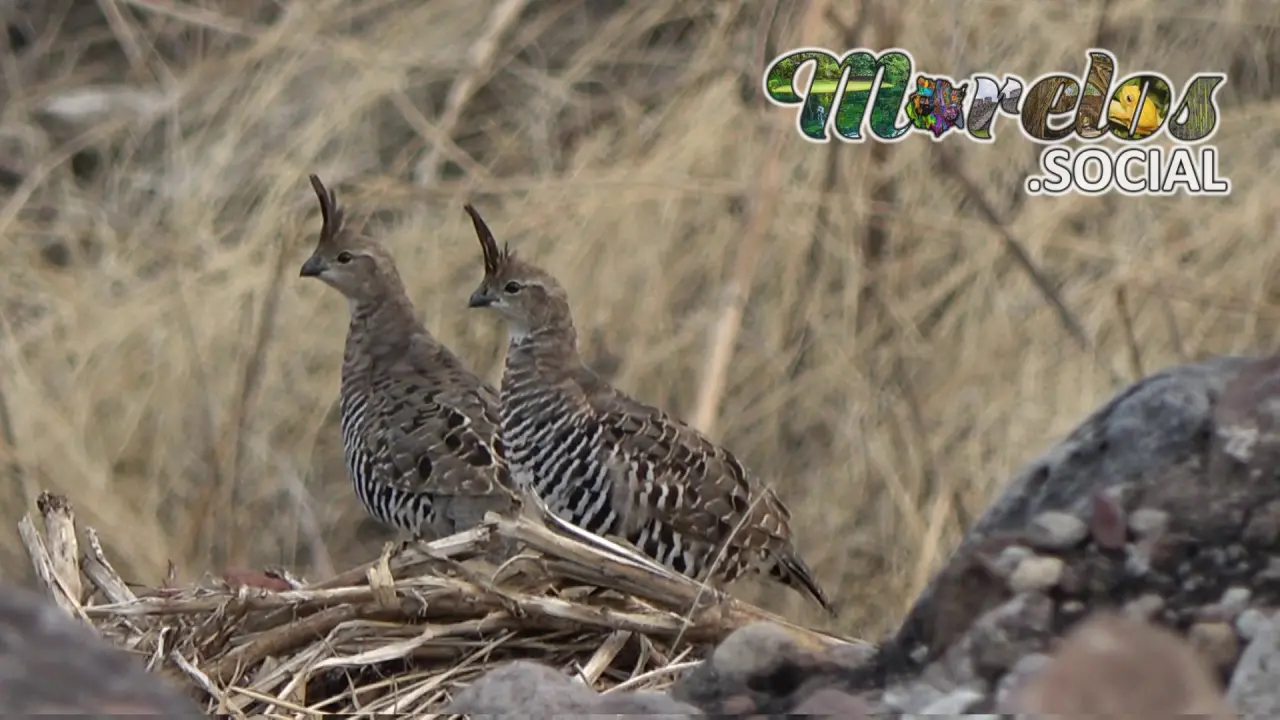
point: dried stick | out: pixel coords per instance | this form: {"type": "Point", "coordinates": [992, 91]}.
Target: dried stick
{"type": "Point", "coordinates": [101, 574]}
{"type": "Point", "coordinates": [736, 292]}
{"type": "Point", "coordinates": [44, 567]}
{"type": "Point", "coordinates": [64, 549]}
{"type": "Point", "coordinates": [764, 194]}
{"type": "Point", "coordinates": [480, 63]}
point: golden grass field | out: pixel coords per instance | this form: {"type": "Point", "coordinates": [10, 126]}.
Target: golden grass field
{"type": "Point", "coordinates": [165, 367]}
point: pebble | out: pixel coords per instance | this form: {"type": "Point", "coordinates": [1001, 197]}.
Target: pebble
{"type": "Point", "coordinates": [1009, 560]}
{"type": "Point", "coordinates": [1146, 522]}
{"type": "Point", "coordinates": [1036, 573]}
{"type": "Point", "coordinates": [1271, 571]}
{"type": "Point", "coordinates": [1018, 675]}
{"type": "Point", "coordinates": [1055, 530]}
{"type": "Point", "coordinates": [1250, 622]}
{"type": "Point", "coordinates": [1256, 676]}
{"type": "Point", "coordinates": [956, 703]}
{"type": "Point", "coordinates": [1236, 600]}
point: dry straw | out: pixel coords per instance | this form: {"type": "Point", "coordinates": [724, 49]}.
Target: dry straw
{"type": "Point", "coordinates": [399, 634]}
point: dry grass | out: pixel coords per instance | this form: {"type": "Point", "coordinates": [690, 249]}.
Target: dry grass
{"type": "Point", "coordinates": [401, 633]}
{"type": "Point", "coordinates": [163, 365]}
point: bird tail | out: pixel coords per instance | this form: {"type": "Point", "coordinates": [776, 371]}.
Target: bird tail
{"type": "Point", "coordinates": [795, 574]}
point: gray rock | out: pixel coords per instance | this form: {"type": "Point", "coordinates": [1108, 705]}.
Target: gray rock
{"type": "Point", "coordinates": [1004, 635]}
{"type": "Point", "coordinates": [1257, 675]}
{"type": "Point", "coordinates": [1036, 573]}
{"type": "Point", "coordinates": [533, 690]}
{"type": "Point", "coordinates": [1013, 681]}
{"type": "Point", "coordinates": [1155, 423]}
{"type": "Point", "coordinates": [1056, 530]}
{"type": "Point", "coordinates": [1251, 622]}
{"type": "Point", "coordinates": [1148, 521]}
{"type": "Point", "coordinates": [830, 701]}
{"type": "Point", "coordinates": [957, 703]}
{"type": "Point", "coordinates": [50, 664]}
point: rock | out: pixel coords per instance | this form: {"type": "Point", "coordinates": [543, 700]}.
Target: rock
{"type": "Point", "coordinates": [1055, 530]}
{"type": "Point", "coordinates": [1107, 522]}
{"type": "Point", "coordinates": [754, 651]}
{"type": "Point", "coordinates": [1263, 528]}
{"type": "Point", "coordinates": [1118, 667]}
{"type": "Point", "coordinates": [1251, 622]}
{"type": "Point", "coordinates": [1006, 563]}
{"type": "Point", "coordinates": [1146, 522]}
{"type": "Point", "coordinates": [1154, 423]}
{"type": "Point", "coordinates": [829, 701]}
{"type": "Point", "coordinates": [1036, 573]}
{"type": "Point", "coordinates": [763, 668]}
{"type": "Point", "coordinates": [51, 664]}
{"type": "Point", "coordinates": [533, 690]}
{"type": "Point", "coordinates": [1234, 601]}
{"type": "Point", "coordinates": [1018, 676]}
{"type": "Point", "coordinates": [1004, 635]}
{"type": "Point", "coordinates": [1253, 684]}
{"type": "Point", "coordinates": [957, 703]}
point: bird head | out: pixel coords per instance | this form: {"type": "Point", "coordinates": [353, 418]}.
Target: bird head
{"type": "Point", "coordinates": [524, 295]}
{"type": "Point", "coordinates": [356, 266]}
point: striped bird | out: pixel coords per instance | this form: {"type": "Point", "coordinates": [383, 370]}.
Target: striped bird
{"type": "Point", "coordinates": [613, 465]}
{"type": "Point", "coordinates": [419, 430]}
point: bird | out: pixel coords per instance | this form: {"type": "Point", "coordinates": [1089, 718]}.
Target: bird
{"type": "Point", "coordinates": [419, 429]}
{"type": "Point", "coordinates": [613, 465]}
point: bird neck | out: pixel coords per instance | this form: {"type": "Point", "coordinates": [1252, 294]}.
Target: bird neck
{"type": "Point", "coordinates": [550, 349]}
{"type": "Point", "coordinates": [387, 316]}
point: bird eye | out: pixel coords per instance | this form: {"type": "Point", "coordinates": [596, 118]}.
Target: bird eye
{"type": "Point", "coordinates": [344, 257]}
{"type": "Point", "coordinates": [513, 287]}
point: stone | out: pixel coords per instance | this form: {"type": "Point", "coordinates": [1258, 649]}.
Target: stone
{"type": "Point", "coordinates": [1107, 521]}
{"type": "Point", "coordinates": [830, 701]}
{"type": "Point", "coordinates": [1236, 599]}
{"type": "Point", "coordinates": [958, 702]}
{"type": "Point", "coordinates": [1036, 573]}
{"type": "Point", "coordinates": [1003, 635]}
{"type": "Point", "coordinates": [1055, 530]}
{"type": "Point", "coordinates": [1250, 622]}
{"type": "Point", "coordinates": [1008, 560]}
{"type": "Point", "coordinates": [1018, 676]}
{"type": "Point", "coordinates": [1146, 522]}
{"type": "Point", "coordinates": [536, 691]}
{"type": "Point", "coordinates": [52, 664]}
{"type": "Point", "coordinates": [754, 650]}
{"type": "Point", "coordinates": [1253, 684]}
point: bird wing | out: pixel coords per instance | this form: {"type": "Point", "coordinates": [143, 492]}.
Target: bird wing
{"type": "Point", "coordinates": [436, 424]}
{"type": "Point", "coordinates": [671, 471]}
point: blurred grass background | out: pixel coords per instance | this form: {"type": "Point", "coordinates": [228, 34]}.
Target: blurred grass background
{"type": "Point", "coordinates": [849, 319]}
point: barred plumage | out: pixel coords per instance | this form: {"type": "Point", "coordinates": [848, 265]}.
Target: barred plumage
{"type": "Point", "coordinates": [419, 430]}
{"type": "Point", "coordinates": [613, 465]}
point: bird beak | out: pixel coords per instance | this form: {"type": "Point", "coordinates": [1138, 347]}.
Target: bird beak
{"type": "Point", "coordinates": [312, 267]}
{"type": "Point", "coordinates": [480, 299]}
